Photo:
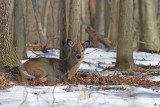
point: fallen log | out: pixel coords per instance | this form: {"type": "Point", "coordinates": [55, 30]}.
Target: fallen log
{"type": "Point", "coordinates": [98, 37]}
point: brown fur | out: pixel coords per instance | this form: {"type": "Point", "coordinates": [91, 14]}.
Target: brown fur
{"type": "Point", "coordinates": [50, 69]}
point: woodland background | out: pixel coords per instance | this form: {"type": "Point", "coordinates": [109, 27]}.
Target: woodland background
{"type": "Point", "coordinates": [107, 76]}
{"type": "Point", "coordinates": [126, 24]}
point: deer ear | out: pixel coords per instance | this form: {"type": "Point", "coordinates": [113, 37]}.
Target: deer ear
{"type": "Point", "coordinates": [70, 43]}
{"type": "Point", "coordinates": [86, 44]}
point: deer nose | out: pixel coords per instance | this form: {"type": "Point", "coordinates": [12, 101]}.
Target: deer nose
{"type": "Point", "coordinates": [78, 56]}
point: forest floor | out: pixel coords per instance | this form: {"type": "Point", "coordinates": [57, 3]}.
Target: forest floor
{"type": "Point", "coordinates": [97, 84]}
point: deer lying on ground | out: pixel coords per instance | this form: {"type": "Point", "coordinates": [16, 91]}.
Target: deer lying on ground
{"type": "Point", "coordinates": [51, 69]}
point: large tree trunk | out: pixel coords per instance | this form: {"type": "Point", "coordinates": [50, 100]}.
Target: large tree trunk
{"type": "Point", "coordinates": [19, 29]}
{"type": "Point", "coordinates": [74, 20]}
{"type": "Point", "coordinates": [7, 53]}
{"type": "Point", "coordinates": [149, 29]}
{"type": "Point", "coordinates": [124, 59]}
{"type": "Point", "coordinates": [158, 13]}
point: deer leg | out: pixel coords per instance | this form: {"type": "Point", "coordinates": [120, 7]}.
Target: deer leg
{"type": "Point", "coordinates": [51, 79]}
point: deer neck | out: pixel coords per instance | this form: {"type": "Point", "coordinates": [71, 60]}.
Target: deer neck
{"type": "Point", "coordinates": [70, 63]}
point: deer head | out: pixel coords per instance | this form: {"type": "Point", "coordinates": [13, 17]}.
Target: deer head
{"type": "Point", "coordinates": [77, 49]}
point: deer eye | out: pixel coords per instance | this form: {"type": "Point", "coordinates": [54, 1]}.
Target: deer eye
{"type": "Point", "coordinates": [74, 50]}
{"type": "Point", "coordinates": [82, 50]}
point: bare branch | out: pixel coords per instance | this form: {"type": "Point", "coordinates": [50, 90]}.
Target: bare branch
{"type": "Point", "coordinates": [43, 38]}
{"type": "Point", "coordinates": [46, 17]}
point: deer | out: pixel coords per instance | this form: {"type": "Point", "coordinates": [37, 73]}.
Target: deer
{"type": "Point", "coordinates": [52, 69]}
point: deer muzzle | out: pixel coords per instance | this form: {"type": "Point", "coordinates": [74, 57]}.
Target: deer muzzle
{"type": "Point", "coordinates": [78, 56]}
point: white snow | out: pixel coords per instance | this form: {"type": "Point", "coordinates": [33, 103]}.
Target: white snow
{"type": "Point", "coordinates": [87, 96]}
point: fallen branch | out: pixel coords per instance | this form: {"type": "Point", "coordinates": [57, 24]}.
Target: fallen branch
{"type": "Point", "coordinates": [97, 37]}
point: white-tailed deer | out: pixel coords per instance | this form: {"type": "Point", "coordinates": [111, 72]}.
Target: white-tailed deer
{"type": "Point", "coordinates": [50, 69]}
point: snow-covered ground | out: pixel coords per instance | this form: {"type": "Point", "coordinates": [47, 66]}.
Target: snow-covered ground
{"type": "Point", "coordinates": [87, 96]}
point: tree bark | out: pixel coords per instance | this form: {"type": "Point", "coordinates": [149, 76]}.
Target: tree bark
{"type": "Point", "coordinates": [158, 13]}
{"type": "Point", "coordinates": [149, 29]}
{"type": "Point", "coordinates": [124, 59]}
{"type": "Point", "coordinates": [11, 17]}
{"type": "Point", "coordinates": [74, 20]}
{"type": "Point", "coordinates": [8, 56]}
{"type": "Point", "coordinates": [19, 29]}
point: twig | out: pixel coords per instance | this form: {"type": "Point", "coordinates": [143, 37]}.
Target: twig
{"type": "Point", "coordinates": [24, 98]}
{"type": "Point", "coordinates": [37, 54]}
{"type": "Point", "coordinates": [53, 96]}
{"type": "Point", "coordinates": [91, 51]}
{"type": "Point", "coordinates": [144, 42]}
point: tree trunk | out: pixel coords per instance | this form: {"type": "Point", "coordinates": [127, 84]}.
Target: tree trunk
{"type": "Point", "coordinates": [7, 53]}
{"type": "Point", "coordinates": [107, 17]}
{"type": "Point", "coordinates": [124, 59]}
{"type": "Point", "coordinates": [58, 21]}
{"type": "Point", "coordinates": [45, 17]}
{"type": "Point", "coordinates": [19, 29]}
{"type": "Point", "coordinates": [99, 20]}
{"type": "Point", "coordinates": [32, 36]}
{"type": "Point", "coordinates": [92, 11]}
{"type": "Point", "coordinates": [84, 35]}
{"type": "Point", "coordinates": [149, 29]}
{"type": "Point", "coordinates": [158, 13]}
{"type": "Point", "coordinates": [11, 17]}
{"type": "Point", "coordinates": [51, 43]}
{"type": "Point", "coordinates": [60, 25]}
{"type": "Point", "coordinates": [136, 24]}
{"type": "Point", "coordinates": [114, 21]}
{"type": "Point", "coordinates": [67, 12]}
{"type": "Point", "coordinates": [74, 20]}
{"type": "Point", "coordinates": [92, 15]}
